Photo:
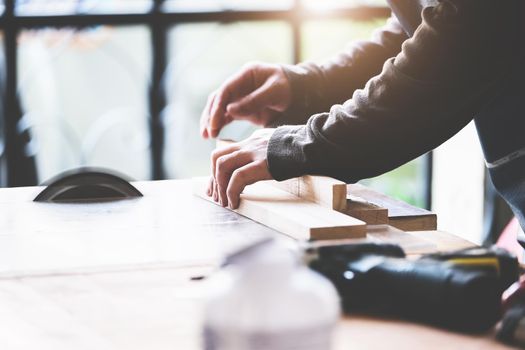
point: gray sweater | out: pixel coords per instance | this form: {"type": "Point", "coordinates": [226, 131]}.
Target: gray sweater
{"type": "Point", "coordinates": [420, 79]}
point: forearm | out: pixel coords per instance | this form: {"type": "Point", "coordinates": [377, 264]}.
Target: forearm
{"type": "Point", "coordinates": [315, 88]}
{"type": "Point", "coordinates": [433, 88]}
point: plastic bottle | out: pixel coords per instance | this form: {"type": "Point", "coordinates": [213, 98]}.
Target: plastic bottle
{"type": "Point", "coordinates": [265, 299]}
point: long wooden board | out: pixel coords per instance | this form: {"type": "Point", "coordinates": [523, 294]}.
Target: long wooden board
{"type": "Point", "coordinates": [294, 216]}
{"type": "Point", "coordinates": [411, 244]}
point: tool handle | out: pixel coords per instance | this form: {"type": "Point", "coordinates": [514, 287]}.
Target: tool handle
{"type": "Point", "coordinates": [431, 292]}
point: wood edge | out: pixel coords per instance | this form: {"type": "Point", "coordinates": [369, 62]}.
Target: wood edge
{"type": "Point", "coordinates": [339, 202]}
{"type": "Point", "coordinates": [415, 223]}
{"type": "Point", "coordinates": [339, 233]}
{"type": "Point", "coordinates": [370, 213]}
{"type": "Point", "coordinates": [444, 241]}
{"type": "Point", "coordinates": [382, 200]}
{"type": "Point", "coordinates": [370, 216]}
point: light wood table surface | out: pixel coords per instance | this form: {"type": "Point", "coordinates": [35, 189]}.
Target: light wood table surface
{"type": "Point", "coordinates": [121, 275]}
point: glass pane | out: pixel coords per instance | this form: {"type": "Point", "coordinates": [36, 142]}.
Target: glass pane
{"type": "Point", "coordinates": [324, 38]}
{"type": "Point", "coordinates": [84, 94]}
{"type": "Point", "coordinates": [202, 57]}
{"type": "Point", "coordinates": [224, 5]}
{"type": "Point", "coordinates": [53, 7]}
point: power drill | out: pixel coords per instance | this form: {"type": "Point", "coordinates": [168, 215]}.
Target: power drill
{"type": "Point", "coordinates": [459, 291]}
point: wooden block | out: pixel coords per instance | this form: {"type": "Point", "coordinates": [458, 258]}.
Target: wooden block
{"type": "Point", "coordinates": [325, 191]}
{"type": "Point", "coordinates": [294, 216]}
{"type": "Point", "coordinates": [365, 211]}
{"type": "Point", "coordinates": [400, 214]}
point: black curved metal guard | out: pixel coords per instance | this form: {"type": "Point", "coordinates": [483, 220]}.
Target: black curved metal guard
{"type": "Point", "coordinates": [87, 184]}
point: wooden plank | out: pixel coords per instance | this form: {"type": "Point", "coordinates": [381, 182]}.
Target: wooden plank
{"type": "Point", "coordinates": [444, 241]}
{"type": "Point", "coordinates": [411, 244]}
{"type": "Point", "coordinates": [373, 333]}
{"type": "Point", "coordinates": [294, 216]}
{"type": "Point", "coordinates": [401, 215]}
{"type": "Point", "coordinates": [168, 226]}
{"type": "Point", "coordinates": [108, 311]}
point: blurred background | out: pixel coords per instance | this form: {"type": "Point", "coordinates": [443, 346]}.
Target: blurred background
{"type": "Point", "coordinates": [121, 84]}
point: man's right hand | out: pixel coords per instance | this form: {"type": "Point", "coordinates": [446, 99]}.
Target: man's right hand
{"type": "Point", "coordinates": [259, 93]}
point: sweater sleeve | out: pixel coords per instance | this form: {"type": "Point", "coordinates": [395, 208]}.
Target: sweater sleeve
{"type": "Point", "coordinates": [316, 87]}
{"type": "Point", "coordinates": [442, 77]}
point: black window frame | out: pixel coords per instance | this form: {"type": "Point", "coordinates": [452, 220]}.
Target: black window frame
{"type": "Point", "coordinates": [19, 165]}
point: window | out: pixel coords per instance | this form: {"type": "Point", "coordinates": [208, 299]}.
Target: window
{"type": "Point", "coordinates": [84, 97]}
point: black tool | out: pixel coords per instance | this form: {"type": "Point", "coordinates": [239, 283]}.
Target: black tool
{"type": "Point", "coordinates": [87, 184]}
{"type": "Point", "coordinates": [377, 278]}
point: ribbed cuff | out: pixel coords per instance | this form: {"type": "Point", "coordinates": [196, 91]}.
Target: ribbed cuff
{"type": "Point", "coordinates": [284, 156]}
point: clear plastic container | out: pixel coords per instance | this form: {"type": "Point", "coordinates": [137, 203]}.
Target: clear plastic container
{"type": "Point", "coordinates": [266, 299]}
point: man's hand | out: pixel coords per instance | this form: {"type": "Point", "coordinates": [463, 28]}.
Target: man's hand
{"type": "Point", "coordinates": [259, 93]}
{"type": "Point", "coordinates": [238, 165]}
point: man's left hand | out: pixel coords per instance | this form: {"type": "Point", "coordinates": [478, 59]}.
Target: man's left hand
{"type": "Point", "coordinates": [238, 165]}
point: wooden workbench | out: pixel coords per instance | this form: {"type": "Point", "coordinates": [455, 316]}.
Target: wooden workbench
{"type": "Point", "coordinates": [121, 275]}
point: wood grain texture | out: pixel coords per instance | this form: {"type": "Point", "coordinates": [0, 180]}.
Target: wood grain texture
{"type": "Point", "coordinates": [294, 216]}
{"type": "Point", "coordinates": [400, 214]}
{"type": "Point", "coordinates": [167, 226]}
{"type": "Point", "coordinates": [325, 191]}
{"type": "Point", "coordinates": [415, 223]}
{"type": "Point", "coordinates": [368, 212]}
{"type": "Point", "coordinates": [443, 241]}
{"type": "Point", "coordinates": [163, 309]}
{"type": "Point", "coordinates": [411, 244]}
